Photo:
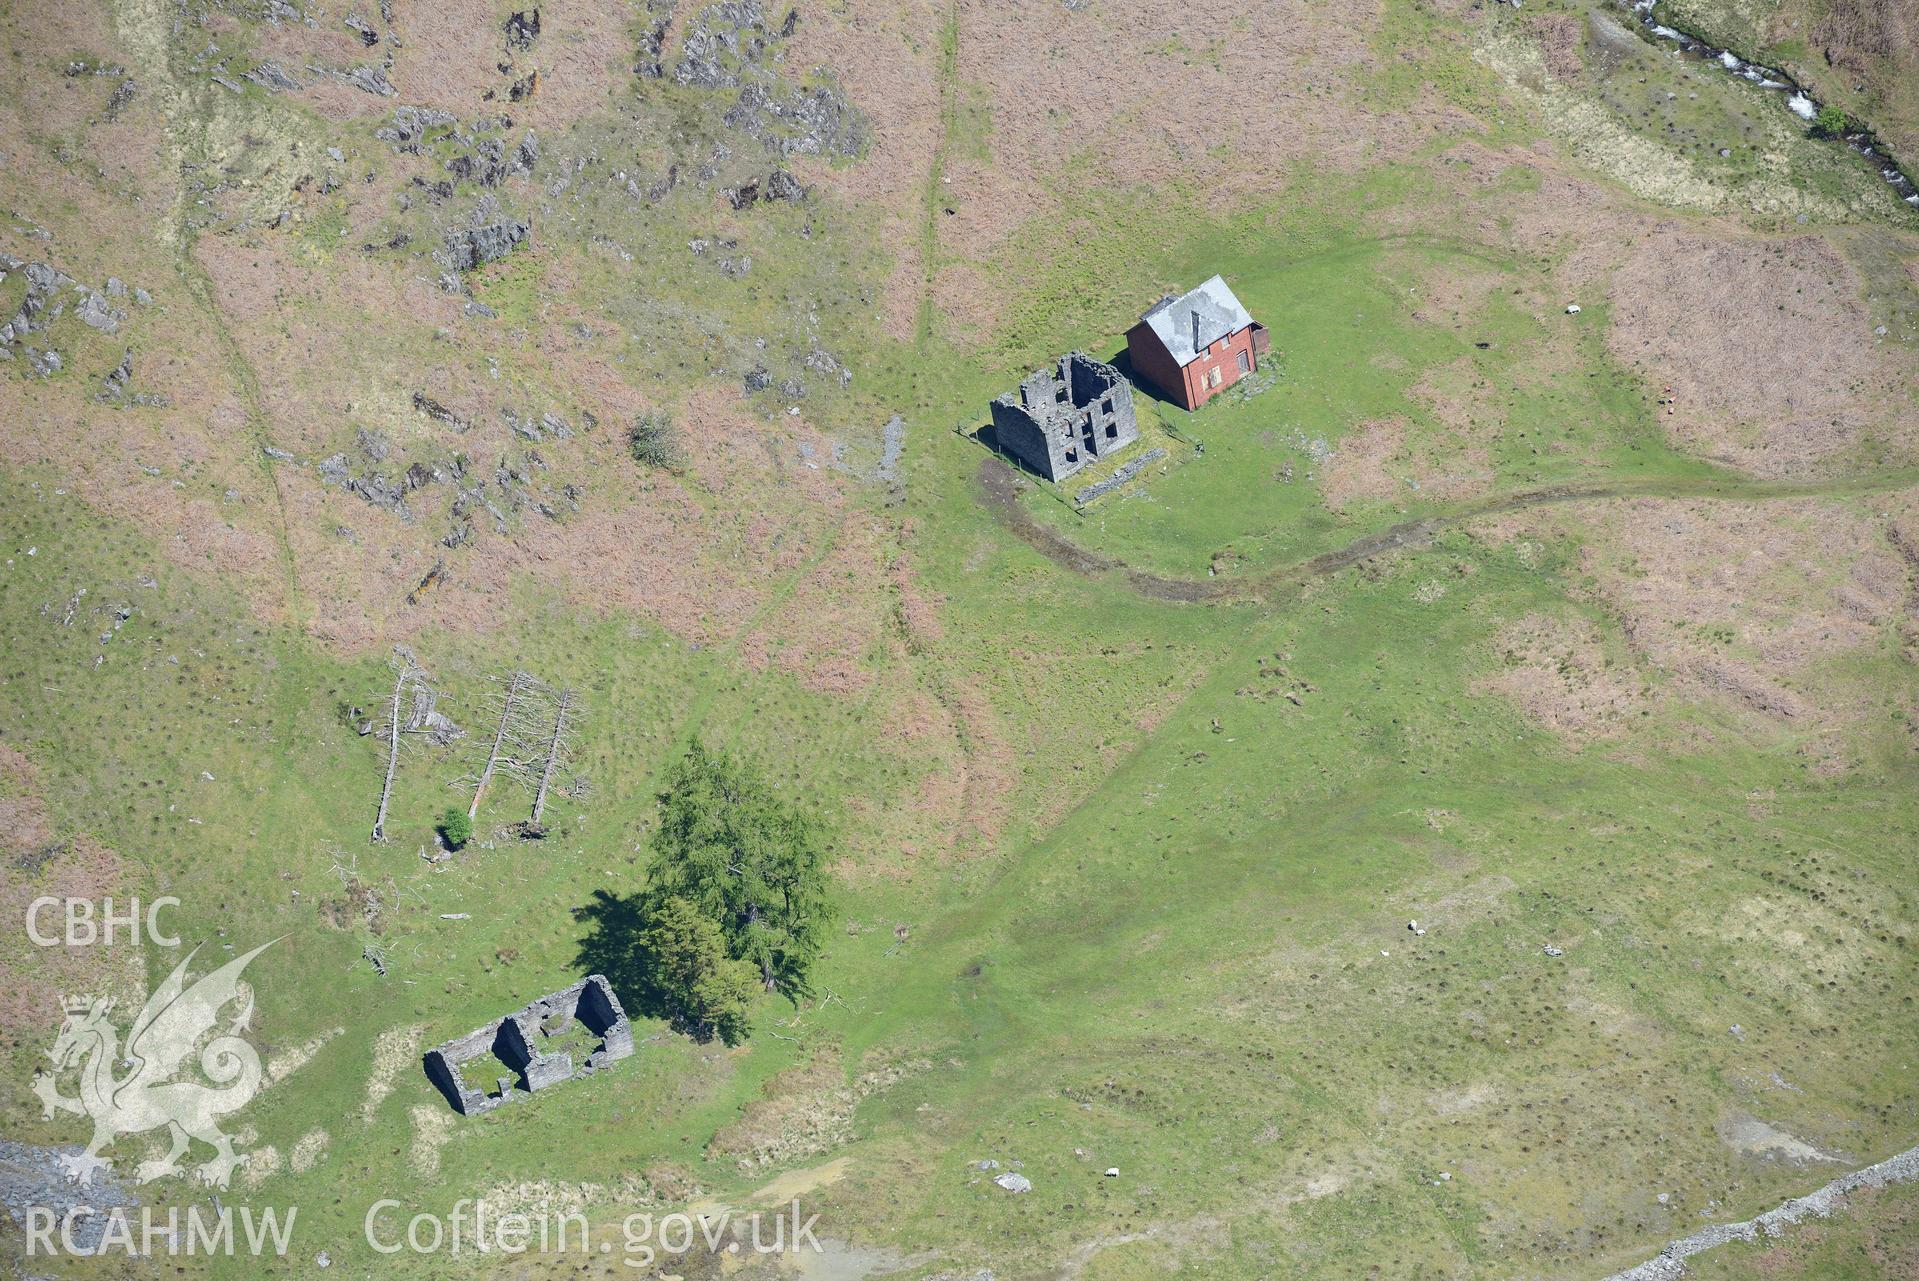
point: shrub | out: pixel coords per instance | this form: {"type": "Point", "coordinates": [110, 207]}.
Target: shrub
{"type": "Point", "coordinates": [1831, 122]}
{"type": "Point", "coordinates": [655, 442]}
{"type": "Point", "coordinates": [456, 829]}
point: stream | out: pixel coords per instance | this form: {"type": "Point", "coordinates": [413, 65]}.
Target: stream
{"type": "Point", "coordinates": [1797, 100]}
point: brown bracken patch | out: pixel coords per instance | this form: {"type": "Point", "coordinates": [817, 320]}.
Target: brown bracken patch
{"type": "Point", "coordinates": [1555, 671]}
{"type": "Point", "coordinates": [1743, 602]}
{"type": "Point", "coordinates": [38, 859]}
{"type": "Point", "coordinates": [1766, 346]}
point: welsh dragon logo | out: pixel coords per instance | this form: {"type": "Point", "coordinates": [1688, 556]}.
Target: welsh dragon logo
{"type": "Point", "coordinates": [147, 1096]}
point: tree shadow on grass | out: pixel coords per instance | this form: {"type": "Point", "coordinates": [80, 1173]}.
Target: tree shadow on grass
{"type": "Point", "coordinates": [614, 945]}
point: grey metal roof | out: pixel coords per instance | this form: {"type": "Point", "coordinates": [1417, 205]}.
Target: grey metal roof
{"type": "Point", "coordinates": [1196, 319]}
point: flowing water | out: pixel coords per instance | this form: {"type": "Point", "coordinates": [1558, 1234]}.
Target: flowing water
{"type": "Point", "coordinates": [1796, 99]}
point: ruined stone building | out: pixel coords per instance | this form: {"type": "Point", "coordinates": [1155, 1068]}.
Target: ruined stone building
{"type": "Point", "coordinates": [570, 1033]}
{"type": "Point", "coordinates": [1064, 417]}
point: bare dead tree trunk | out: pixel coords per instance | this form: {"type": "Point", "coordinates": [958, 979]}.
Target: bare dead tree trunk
{"type": "Point", "coordinates": [552, 756]}
{"type": "Point", "coordinates": [493, 757]}
{"type": "Point", "coordinates": [392, 751]}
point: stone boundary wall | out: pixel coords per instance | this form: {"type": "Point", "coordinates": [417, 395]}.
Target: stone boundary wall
{"type": "Point", "coordinates": [1669, 1264]}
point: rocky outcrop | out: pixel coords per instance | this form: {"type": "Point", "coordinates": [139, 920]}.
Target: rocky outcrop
{"type": "Point", "coordinates": [732, 46]}
{"type": "Point", "coordinates": [468, 247]}
{"type": "Point", "coordinates": [410, 126]}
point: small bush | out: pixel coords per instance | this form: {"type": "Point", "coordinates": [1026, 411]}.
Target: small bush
{"type": "Point", "coordinates": [456, 829]}
{"type": "Point", "coordinates": [655, 441]}
{"type": "Point", "coordinates": [1831, 122]}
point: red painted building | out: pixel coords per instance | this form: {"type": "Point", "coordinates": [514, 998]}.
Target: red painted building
{"type": "Point", "coordinates": [1192, 347]}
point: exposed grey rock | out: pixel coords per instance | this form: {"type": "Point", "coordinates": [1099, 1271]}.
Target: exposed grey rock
{"type": "Point", "coordinates": [467, 248]}
{"type": "Point", "coordinates": [522, 30]}
{"type": "Point", "coordinates": [791, 120]}
{"type": "Point", "coordinates": [32, 1177]}
{"type": "Point", "coordinates": [729, 45]}
{"type": "Point", "coordinates": [439, 413]}
{"type": "Point", "coordinates": [272, 77]}
{"type": "Point", "coordinates": [114, 386]}
{"type": "Point", "coordinates": [781, 185]}
{"type": "Point", "coordinates": [88, 67]}
{"type": "Point", "coordinates": [485, 164]}
{"type": "Point", "coordinates": [39, 304]}
{"type": "Point", "coordinates": [827, 363]}
{"type": "Point", "coordinates": [410, 125]}
{"type": "Point", "coordinates": [722, 42]}
{"type": "Point", "coordinates": [371, 487]}
{"type": "Point", "coordinates": [892, 445]}
{"type": "Point", "coordinates": [369, 80]}
{"type": "Point", "coordinates": [45, 279]}
{"type": "Point", "coordinates": [96, 312]}
{"type": "Point", "coordinates": [650, 64]}
{"type": "Point", "coordinates": [658, 191]}
{"type": "Point", "coordinates": [1014, 1182]}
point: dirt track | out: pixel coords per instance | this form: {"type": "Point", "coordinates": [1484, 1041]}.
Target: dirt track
{"type": "Point", "coordinates": [1000, 486]}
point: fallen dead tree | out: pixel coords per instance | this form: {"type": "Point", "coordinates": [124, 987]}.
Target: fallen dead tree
{"type": "Point", "coordinates": [533, 742]}
{"type": "Point", "coordinates": [412, 710]}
